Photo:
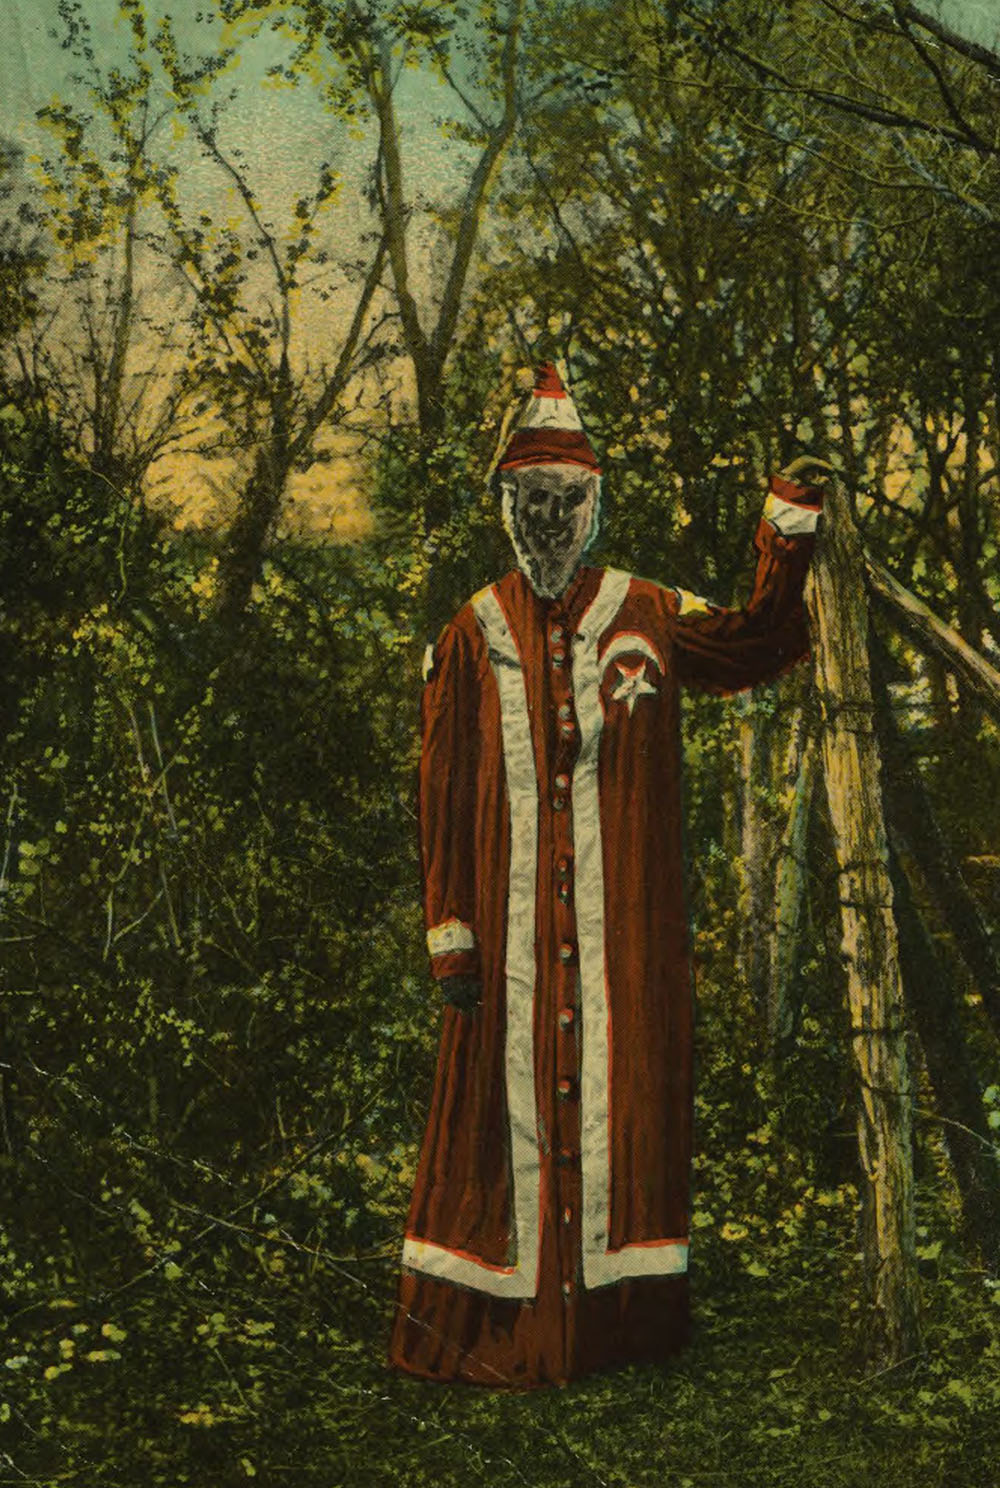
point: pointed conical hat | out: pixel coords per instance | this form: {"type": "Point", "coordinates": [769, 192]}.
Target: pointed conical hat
{"type": "Point", "coordinates": [548, 431]}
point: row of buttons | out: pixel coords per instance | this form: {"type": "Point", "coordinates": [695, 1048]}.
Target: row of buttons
{"type": "Point", "coordinates": [566, 1086]}
{"type": "Point", "coordinates": [562, 880]}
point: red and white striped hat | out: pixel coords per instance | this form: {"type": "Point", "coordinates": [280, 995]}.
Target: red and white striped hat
{"type": "Point", "coordinates": [547, 430]}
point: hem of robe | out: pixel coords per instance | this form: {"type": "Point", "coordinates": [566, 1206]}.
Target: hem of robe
{"type": "Point", "coordinates": [453, 1335]}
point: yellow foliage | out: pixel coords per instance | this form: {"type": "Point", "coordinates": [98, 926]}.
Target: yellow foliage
{"type": "Point", "coordinates": [202, 1415]}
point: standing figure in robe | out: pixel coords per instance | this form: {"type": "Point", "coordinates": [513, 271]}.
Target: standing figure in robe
{"type": "Point", "coordinates": [549, 1225]}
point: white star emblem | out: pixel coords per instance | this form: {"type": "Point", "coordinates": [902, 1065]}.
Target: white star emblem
{"type": "Point", "coordinates": [633, 684]}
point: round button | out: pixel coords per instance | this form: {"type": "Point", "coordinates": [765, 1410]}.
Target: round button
{"type": "Point", "coordinates": [566, 729]}
{"type": "Point", "coordinates": [563, 865]}
{"type": "Point", "coordinates": [562, 782]}
{"type": "Point", "coordinates": [567, 1215]}
{"type": "Point", "coordinates": [558, 803]}
{"type": "Point", "coordinates": [558, 634]}
{"type": "Point", "coordinates": [563, 892]}
{"type": "Point", "coordinates": [566, 1016]}
{"type": "Point", "coordinates": [558, 656]}
{"type": "Point", "coordinates": [565, 1088]}
{"type": "Point", "coordinates": [565, 710]}
{"type": "Point", "coordinates": [567, 1288]}
{"type": "Point", "coordinates": [565, 951]}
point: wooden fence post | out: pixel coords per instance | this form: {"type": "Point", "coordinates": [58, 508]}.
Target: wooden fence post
{"type": "Point", "coordinates": [838, 612]}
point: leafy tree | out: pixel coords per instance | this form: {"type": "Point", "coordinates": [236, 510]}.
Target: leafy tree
{"type": "Point", "coordinates": [110, 353]}
{"type": "Point", "coordinates": [475, 54]}
{"type": "Point", "coordinates": [216, 1036]}
{"type": "Point", "coordinates": [22, 262]}
{"type": "Point", "coordinates": [276, 408]}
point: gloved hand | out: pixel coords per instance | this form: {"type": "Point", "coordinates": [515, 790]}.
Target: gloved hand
{"type": "Point", "coordinates": [462, 991]}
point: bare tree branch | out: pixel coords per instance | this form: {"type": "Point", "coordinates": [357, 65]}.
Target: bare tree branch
{"type": "Point", "coordinates": [925, 627]}
{"type": "Point", "coordinates": [985, 56]}
{"type": "Point", "coordinates": [475, 196]}
{"type": "Point", "coordinates": [344, 367]}
{"type": "Point", "coordinates": [724, 38]}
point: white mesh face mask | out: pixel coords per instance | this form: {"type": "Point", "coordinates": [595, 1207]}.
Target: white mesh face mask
{"type": "Point", "coordinates": [551, 513]}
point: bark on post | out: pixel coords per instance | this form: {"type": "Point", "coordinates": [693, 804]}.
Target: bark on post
{"type": "Point", "coordinates": [851, 769]}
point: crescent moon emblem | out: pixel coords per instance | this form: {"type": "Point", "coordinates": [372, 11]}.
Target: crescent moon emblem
{"type": "Point", "coordinates": [630, 641]}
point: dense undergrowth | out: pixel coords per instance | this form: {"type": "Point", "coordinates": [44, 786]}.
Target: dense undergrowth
{"type": "Point", "coordinates": [158, 1333]}
{"type": "Point", "coordinates": [218, 1040]}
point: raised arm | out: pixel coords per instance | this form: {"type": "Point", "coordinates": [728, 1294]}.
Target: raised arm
{"type": "Point", "coordinates": [726, 650]}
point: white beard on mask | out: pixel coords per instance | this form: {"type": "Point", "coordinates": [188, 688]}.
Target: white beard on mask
{"type": "Point", "coordinates": [549, 566]}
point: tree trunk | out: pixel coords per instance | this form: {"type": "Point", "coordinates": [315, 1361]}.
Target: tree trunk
{"type": "Point", "coordinates": [851, 771]}
{"type": "Point", "coordinates": [975, 611]}
{"type": "Point", "coordinates": [108, 406]}
{"type": "Point", "coordinates": [790, 883]}
{"type": "Point", "coordinates": [248, 537]}
{"type": "Point", "coordinates": [428, 350]}
{"type": "Point", "coordinates": [754, 856]}
{"type": "Point", "coordinates": [912, 816]}
{"type": "Point", "coordinates": [930, 998]}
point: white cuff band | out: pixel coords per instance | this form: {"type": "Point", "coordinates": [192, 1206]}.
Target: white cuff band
{"type": "Point", "coordinates": [788, 518]}
{"type": "Point", "coordinates": [452, 935]}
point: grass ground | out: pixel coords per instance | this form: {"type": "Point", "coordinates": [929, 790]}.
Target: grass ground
{"type": "Point", "coordinates": [292, 1389]}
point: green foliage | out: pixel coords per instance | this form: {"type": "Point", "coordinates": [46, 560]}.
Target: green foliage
{"type": "Point", "coordinates": [219, 1043]}
{"type": "Point", "coordinates": [217, 1034]}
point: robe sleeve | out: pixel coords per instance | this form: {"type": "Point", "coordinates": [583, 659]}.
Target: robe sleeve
{"type": "Point", "coordinates": [726, 650]}
{"type": "Point", "coordinates": [447, 793]}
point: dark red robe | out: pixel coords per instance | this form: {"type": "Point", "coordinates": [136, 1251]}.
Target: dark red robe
{"type": "Point", "coordinates": [549, 1225]}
